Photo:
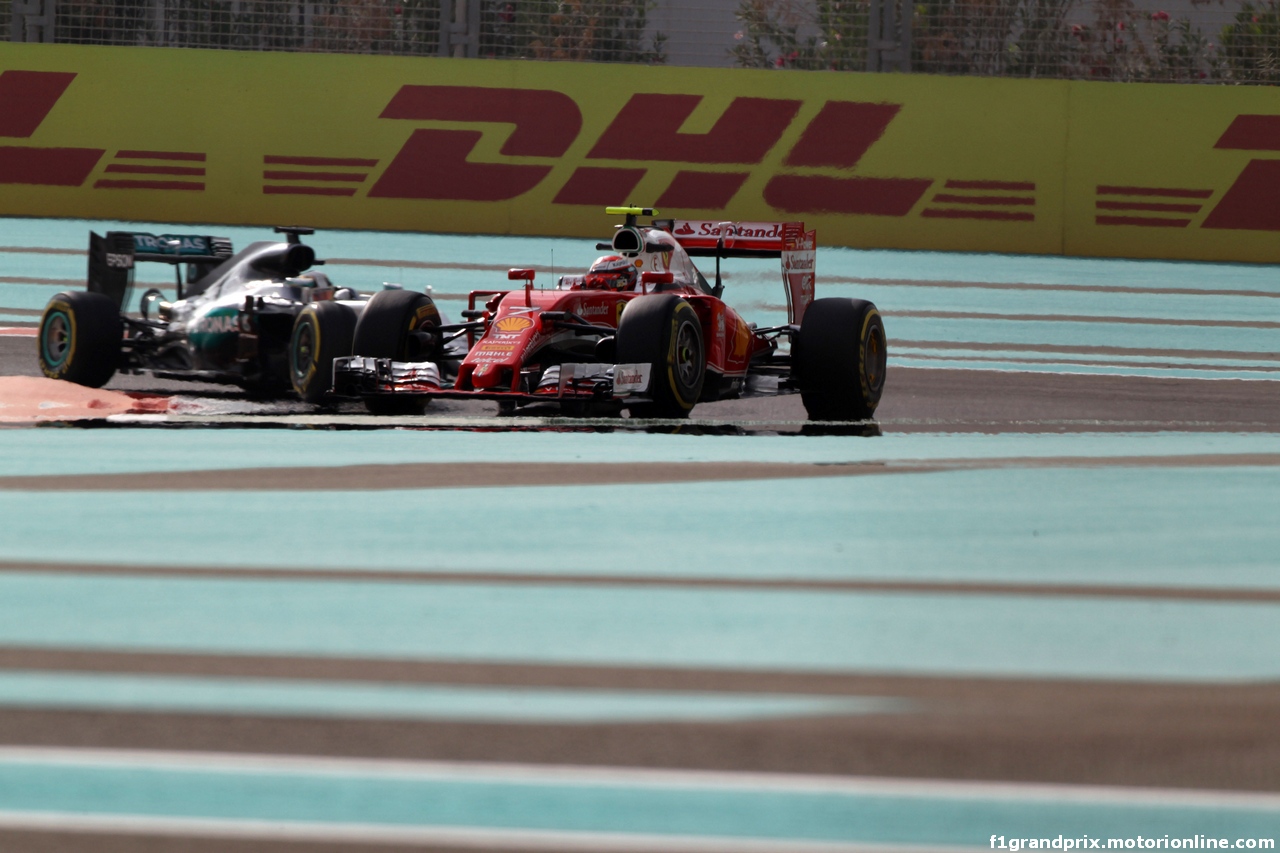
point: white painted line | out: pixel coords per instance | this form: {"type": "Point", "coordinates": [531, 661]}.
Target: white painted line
{"type": "Point", "coordinates": [451, 836]}
{"type": "Point", "coordinates": [631, 777]}
{"type": "Point", "coordinates": [487, 422]}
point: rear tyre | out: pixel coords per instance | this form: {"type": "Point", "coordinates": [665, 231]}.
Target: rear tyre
{"type": "Point", "coordinates": [664, 331]}
{"type": "Point", "coordinates": [79, 338]}
{"type": "Point", "coordinates": [322, 332]}
{"type": "Point", "coordinates": [391, 326]}
{"type": "Point", "coordinates": [839, 359]}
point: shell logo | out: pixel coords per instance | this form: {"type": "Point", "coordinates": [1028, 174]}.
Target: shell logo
{"type": "Point", "coordinates": [513, 324]}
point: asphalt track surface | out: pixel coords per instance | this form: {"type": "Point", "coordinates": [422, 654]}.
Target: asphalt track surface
{"type": "Point", "coordinates": [1042, 600]}
{"type": "Point", "coordinates": [920, 400]}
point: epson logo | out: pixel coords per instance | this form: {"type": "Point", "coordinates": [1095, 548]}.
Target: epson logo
{"type": "Point", "coordinates": [118, 261]}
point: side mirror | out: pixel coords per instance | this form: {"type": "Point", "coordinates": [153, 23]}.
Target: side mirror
{"type": "Point", "coordinates": [656, 279]}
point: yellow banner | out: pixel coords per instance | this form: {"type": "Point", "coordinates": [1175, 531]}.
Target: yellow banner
{"type": "Point", "coordinates": [1174, 172]}
{"type": "Point", "coordinates": [499, 147]}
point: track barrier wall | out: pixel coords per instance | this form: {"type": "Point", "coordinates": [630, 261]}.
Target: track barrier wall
{"type": "Point", "coordinates": [511, 147]}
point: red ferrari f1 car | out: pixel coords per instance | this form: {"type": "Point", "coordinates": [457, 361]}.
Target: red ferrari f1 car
{"type": "Point", "coordinates": [643, 330]}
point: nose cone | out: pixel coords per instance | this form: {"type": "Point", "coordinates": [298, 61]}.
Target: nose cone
{"type": "Point", "coordinates": [485, 376]}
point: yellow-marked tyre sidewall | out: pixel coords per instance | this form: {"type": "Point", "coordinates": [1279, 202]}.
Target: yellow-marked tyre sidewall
{"type": "Point", "coordinates": [649, 333]}
{"type": "Point", "coordinates": [871, 390]}
{"type": "Point", "coordinates": [332, 327]}
{"type": "Point", "coordinates": [427, 314]}
{"type": "Point", "coordinates": [830, 359]}
{"type": "Point", "coordinates": [387, 321]}
{"type": "Point", "coordinates": [673, 336]}
{"type": "Point", "coordinates": [678, 317]}
{"type": "Point", "coordinates": [302, 384]}
{"type": "Point", "coordinates": [95, 333]}
{"type": "Point", "coordinates": [60, 370]}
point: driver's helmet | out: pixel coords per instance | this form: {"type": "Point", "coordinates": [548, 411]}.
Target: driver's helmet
{"type": "Point", "coordinates": [612, 272]}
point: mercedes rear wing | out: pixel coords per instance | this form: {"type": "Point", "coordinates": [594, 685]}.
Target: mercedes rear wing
{"type": "Point", "coordinates": [112, 259]}
{"type": "Point", "coordinates": [796, 247]}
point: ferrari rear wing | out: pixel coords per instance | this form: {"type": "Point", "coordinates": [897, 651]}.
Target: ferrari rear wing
{"type": "Point", "coordinates": [786, 240]}
{"type": "Point", "coordinates": [112, 258]}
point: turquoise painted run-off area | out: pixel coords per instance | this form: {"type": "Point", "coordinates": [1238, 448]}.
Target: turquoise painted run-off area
{"type": "Point", "coordinates": [1159, 526]}
{"type": "Point", "coordinates": [662, 574]}
{"type": "Point", "coordinates": [790, 808]}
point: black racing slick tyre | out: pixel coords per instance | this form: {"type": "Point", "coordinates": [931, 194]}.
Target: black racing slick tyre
{"type": "Point", "coordinates": [839, 359]}
{"type": "Point", "coordinates": [322, 332]}
{"type": "Point", "coordinates": [391, 327]}
{"type": "Point", "coordinates": [79, 338]}
{"type": "Point", "coordinates": [664, 331]}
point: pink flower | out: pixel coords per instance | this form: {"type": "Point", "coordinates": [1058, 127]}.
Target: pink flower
{"type": "Point", "coordinates": [1120, 27]}
{"type": "Point", "coordinates": [779, 62]}
{"type": "Point", "coordinates": [1159, 16]}
{"type": "Point", "coordinates": [1254, 19]}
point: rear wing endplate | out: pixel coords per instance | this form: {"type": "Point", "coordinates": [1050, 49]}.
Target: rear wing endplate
{"type": "Point", "coordinates": [786, 240]}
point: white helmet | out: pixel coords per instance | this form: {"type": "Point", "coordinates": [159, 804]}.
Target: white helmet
{"type": "Point", "coordinates": [612, 271]}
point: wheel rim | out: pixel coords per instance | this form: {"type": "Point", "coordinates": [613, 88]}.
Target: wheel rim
{"type": "Point", "coordinates": [303, 351]}
{"type": "Point", "coordinates": [876, 357]}
{"type": "Point", "coordinates": [56, 339]}
{"type": "Point", "coordinates": [688, 355]}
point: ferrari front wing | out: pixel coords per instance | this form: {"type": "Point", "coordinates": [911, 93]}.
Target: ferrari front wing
{"type": "Point", "coordinates": [359, 376]}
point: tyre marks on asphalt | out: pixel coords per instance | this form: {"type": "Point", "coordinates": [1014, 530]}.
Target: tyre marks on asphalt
{"type": "Point", "coordinates": [441, 475]}
{"type": "Point", "coordinates": [1047, 589]}
{"type": "Point", "coordinates": [1038, 731]}
{"type": "Point", "coordinates": [468, 475]}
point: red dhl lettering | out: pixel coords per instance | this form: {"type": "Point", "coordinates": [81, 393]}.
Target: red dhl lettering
{"type": "Point", "coordinates": [435, 163]}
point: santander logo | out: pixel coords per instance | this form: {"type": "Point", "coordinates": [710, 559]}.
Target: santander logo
{"type": "Point", "coordinates": [758, 230]}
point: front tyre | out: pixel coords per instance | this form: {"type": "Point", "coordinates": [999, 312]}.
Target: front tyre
{"type": "Point", "coordinates": [665, 332]}
{"type": "Point", "coordinates": [322, 332]}
{"type": "Point", "coordinates": [399, 325]}
{"type": "Point", "coordinates": [79, 338]}
{"type": "Point", "coordinates": [839, 359]}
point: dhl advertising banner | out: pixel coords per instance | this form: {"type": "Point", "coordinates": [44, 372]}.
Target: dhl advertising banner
{"type": "Point", "coordinates": [497, 147]}
{"type": "Point", "coordinates": [1173, 171]}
